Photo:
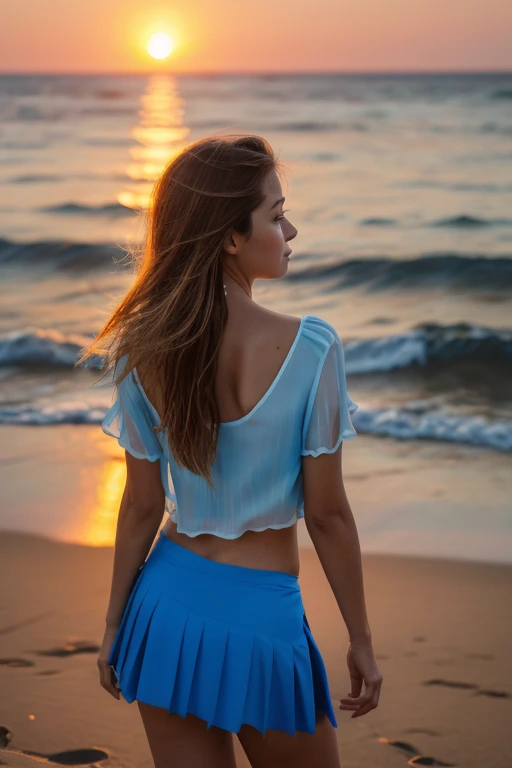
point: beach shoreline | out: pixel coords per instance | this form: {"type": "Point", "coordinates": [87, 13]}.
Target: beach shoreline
{"type": "Point", "coordinates": [416, 498]}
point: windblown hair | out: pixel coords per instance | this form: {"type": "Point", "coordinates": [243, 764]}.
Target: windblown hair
{"type": "Point", "coordinates": [171, 321]}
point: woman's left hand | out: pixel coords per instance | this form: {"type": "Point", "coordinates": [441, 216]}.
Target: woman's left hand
{"type": "Point", "coordinates": [107, 674]}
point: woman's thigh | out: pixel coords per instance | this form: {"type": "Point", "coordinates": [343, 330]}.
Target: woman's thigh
{"type": "Point", "coordinates": [184, 742]}
{"type": "Point", "coordinates": [281, 750]}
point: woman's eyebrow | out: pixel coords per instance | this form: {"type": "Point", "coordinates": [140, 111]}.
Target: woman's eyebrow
{"type": "Point", "coordinates": [281, 200]}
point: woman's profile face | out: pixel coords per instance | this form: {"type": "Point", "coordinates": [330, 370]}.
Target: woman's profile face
{"type": "Point", "coordinates": [265, 254]}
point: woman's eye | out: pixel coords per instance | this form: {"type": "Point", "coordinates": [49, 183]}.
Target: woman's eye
{"type": "Point", "coordinates": [282, 215]}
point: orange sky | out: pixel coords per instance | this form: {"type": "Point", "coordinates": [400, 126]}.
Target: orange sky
{"type": "Point", "coordinates": [268, 35]}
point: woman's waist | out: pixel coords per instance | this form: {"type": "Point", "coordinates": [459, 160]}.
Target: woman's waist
{"type": "Point", "coordinates": [270, 549]}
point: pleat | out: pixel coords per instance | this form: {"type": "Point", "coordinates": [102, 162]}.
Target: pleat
{"type": "Point", "coordinates": [131, 661]}
{"type": "Point", "coordinates": [234, 683]}
{"type": "Point", "coordinates": [210, 674]}
{"type": "Point", "coordinates": [131, 614]}
{"type": "Point", "coordinates": [281, 715]}
{"type": "Point", "coordinates": [256, 707]}
{"type": "Point", "coordinates": [320, 681]}
{"type": "Point", "coordinates": [136, 654]}
{"type": "Point", "coordinates": [114, 651]}
{"type": "Point", "coordinates": [305, 715]}
{"type": "Point", "coordinates": [161, 658]}
{"type": "Point", "coordinates": [186, 664]}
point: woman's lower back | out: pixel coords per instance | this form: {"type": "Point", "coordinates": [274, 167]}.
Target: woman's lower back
{"type": "Point", "coordinates": [274, 550]}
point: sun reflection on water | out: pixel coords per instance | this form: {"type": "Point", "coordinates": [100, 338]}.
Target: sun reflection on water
{"type": "Point", "coordinates": [102, 512]}
{"type": "Point", "coordinates": [160, 136]}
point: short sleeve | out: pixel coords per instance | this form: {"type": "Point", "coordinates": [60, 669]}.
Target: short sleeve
{"type": "Point", "coordinates": [130, 420]}
{"type": "Point", "coordinates": [327, 419]}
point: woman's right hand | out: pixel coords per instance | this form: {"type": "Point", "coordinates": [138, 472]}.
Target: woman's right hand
{"type": "Point", "coordinates": [107, 674]}
{"type": "Point", "coordinates": [362, 667]}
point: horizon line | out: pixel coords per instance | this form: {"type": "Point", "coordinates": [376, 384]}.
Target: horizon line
{"type": "Point", "coordinates": [298, 73]}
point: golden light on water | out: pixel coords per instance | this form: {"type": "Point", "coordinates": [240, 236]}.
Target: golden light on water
{"type": "Point", "coordinates": [159, 135]}
{"type": "Point", "coordinates": [100, 526]}
{"type": "Point", "coordinates": [160, 45]}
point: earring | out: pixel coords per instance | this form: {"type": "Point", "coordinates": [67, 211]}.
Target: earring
{"type": "Point", "coordinates": [225, 291]}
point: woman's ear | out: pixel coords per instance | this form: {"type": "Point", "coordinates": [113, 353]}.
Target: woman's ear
{"type": "Point", "coordinates": [230, 245]}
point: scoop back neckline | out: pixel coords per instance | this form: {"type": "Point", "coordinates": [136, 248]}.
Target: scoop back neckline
{"type": "Point", "coordinates": [260, 402]}
{"type": "Point", "coordinates": [273, 384]}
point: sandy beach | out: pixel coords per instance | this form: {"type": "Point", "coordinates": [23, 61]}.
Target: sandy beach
{"type": "Point", "coordinates": [441, 631]}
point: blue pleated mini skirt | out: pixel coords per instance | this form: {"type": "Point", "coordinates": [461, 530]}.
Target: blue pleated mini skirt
{"type": "Point", "coordinates": [226, 643]}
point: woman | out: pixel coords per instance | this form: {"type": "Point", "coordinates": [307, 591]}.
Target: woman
{"type": "Point", "coordinates": [233, 419]}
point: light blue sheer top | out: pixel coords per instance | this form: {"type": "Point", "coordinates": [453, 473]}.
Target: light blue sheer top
{"type": "Point", "coordinates": [258, 469]}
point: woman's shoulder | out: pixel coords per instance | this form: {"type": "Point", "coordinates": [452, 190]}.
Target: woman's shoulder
{"type": "Point", "coordinates": [320, 332]}
{"type": "Point", "coordinates": [315, 333]}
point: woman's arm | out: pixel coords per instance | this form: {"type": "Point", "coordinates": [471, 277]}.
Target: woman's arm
{"type": "Point", "coordinates": [331, 526]}
{"type": "Point", "coordinates": [140, 515]}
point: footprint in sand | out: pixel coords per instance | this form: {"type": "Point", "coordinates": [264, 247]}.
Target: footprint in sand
{"type": "Point", "coordinates": [45, 672]}
{"type": "Point", "coordinates": [417, 759]}
{"type": "Point", "coordinates": [71, 648]}
{"type": "Point", "coordinates": [72, 756]}
{"type": "Point", "coordinates": [482, 656]}
{"type": "Point", "coordinates": [16, 662]}
{"type": "Point", "coordinates": [493, 694]}
{"type": "Point", "coordinates": [24, 623]}
{"type": "Point", "coordinates": [402, 745]}
{"type": "Point", "coordinates": [5, 736]}
{"type": "Point", "coordinates": [426, 731]}
{"type": "Point", "coordinates": [471, 686]}
{"type": "Point", "coordinates": [68, 757]}
{"type": "Point", "coordinates": [451, 684]}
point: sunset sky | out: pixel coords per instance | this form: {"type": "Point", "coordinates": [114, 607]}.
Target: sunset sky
{"type": "Point", "coordinates": [269, 35]}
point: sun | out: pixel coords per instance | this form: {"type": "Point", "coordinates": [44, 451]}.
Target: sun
{"type": "Point", "coordinates": [160, 45]}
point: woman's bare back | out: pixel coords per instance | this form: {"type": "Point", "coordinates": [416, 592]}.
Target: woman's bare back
{"type": "Point", "coordinates": [254, 347]}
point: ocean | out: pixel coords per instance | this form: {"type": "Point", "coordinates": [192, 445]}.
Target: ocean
{"type": "Point", "coordinates": [400, 187]}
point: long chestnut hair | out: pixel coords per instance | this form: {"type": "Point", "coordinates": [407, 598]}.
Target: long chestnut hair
{"type": "Point", "coordinates": [171, 321]}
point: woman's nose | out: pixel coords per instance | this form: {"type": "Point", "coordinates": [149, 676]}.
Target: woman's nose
{"type": "Point", "coordinates": [291, 233]}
